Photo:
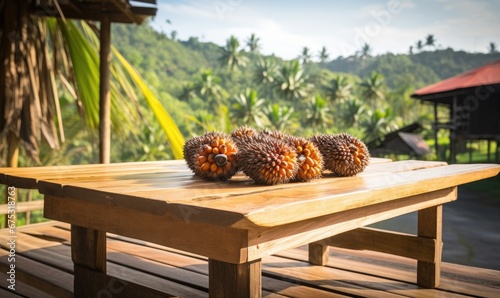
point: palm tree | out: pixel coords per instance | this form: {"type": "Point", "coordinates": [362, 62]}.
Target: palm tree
{"type": "Point", "coordinates": [430, 41]}
{"type": "Point", "coordinates": [351, 111]}
{"type": "Point", "coordinates": [290, 82]}
{"type": "Point", "coordinates": [420, 45]}
{"type": "Point", "coordinates": [209, 89]}
{"type": "Point", "coordinates": [365, 51]}
{"type": "Point", "coordinates": [54, 48]}
{"type": "Point", "coordinates": [372, 88]}
{"type": "Point", "coordinates": [339, 89]}
{"type": "Point", "coordinates": [188, 91]}
{"type": "Point", "coordinates": [231, 56]}
{"type": "Point", "coordinates": [317, 113]}
{"type": "Point", "coordinates": [247, 108]}
{"type": "Point", "coordinates": [265, 70]}
{"type": "Point", "coordinates": [278, 115]}
{"type": "Point", "coordinates": [305, 56]}
{"type": "Point", "coordinates": [492, 49]}
{"type": "Point", "coordinates": [253, 43]}
{"type": "Point", "coordinates": [323, 55]}
{"type": "Point", "coordinates": [378, 123]}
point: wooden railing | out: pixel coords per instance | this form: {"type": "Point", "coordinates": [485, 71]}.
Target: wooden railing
{"type": "Point", "coordinates": [27, 206]}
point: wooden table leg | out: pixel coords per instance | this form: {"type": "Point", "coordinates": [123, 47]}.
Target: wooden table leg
{"type": "Point", "coordinates": [430, 225]}
{"type": "Point", "coordinates": [235, 280]}
{"type": "Point", "coordinates": [88, 251]}
{"type": "Point", "coordinates": [318, 254]}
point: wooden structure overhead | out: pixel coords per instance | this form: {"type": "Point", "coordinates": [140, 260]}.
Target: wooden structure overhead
{"type": "Point", "coordinates": [118, 11]}
{"type": "Point", "coordinates": [473, 100]}
{"type": "Point", "coordinates": [106, 12]}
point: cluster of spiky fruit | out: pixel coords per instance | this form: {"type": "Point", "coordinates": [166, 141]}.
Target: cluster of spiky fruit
{"type": "Point", "coordinates": [272, 157]}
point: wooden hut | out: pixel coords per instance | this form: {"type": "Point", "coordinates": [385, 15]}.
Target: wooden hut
{"type": "Point", "coordinates": [473, 100]}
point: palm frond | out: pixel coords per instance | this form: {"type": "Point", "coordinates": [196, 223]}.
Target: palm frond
{"type": "Point", "coordinates": [167, 123]}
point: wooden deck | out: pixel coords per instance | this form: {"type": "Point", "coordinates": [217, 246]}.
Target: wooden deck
{"type": "Point", "coordinates": [44, 269]}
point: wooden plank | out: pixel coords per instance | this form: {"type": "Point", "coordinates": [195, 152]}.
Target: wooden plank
{"type": "Point", "coordinates": [161, 187]}
{"type": "Point", "coordinates": [27, 177]}
{"type": "Point", "coordinates": [266, 241]}
{"type": "Point", "coordinates": [8, 294]}
{"type": "Point", "coordinates": [235, 280]}
{"type": "Point", "coordinates": [40, 276]}
{"type": "Point", "coordinates": [456, 279]}
{"type": "Point", "coordinates": [287, 277]}
{"type": "Point", "coordinates": [99, 284]}
{"type": "Point", "coordinates": [348, 282]}
{"type": "Point", "coordinates": [218, 242]}
{"type": "Point", "coordinates": [267, 208]}
{"type": "Point", "coordinates": [58, 255]}
{"type": "Point", "coordinates": [230, 244]}
{"type": "Point", "coordinates": [282, 206]}
{"type": "Point", "coordinates": [400, 244]}
{"type": "Point", "coordinates": [430, 225]}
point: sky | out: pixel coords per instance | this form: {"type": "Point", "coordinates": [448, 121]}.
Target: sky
{"type": "Point", "coordinates": [286, 27]}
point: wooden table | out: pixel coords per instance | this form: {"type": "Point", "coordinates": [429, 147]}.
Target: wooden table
{"type": "Point", "coordinates": [236, 223]}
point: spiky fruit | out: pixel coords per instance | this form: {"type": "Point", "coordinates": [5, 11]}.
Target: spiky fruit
{"type": "Point", "coordinates": [192, 145]}
{"type": "Point", "coordinates": [309, 158]}
{"type": "Point", "coordinates": [267, 160]}
{"type": "Point", "coordinates": [243, 133]}
{"type": "Point", "coordinates": [215, 157]}
{"type": "Point", "coordinates": [343, 154]}
{"type": "Point", "coordinates": [276, 134]}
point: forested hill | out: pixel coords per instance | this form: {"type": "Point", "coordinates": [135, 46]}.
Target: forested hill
{"type": "Point", "coordinates": [206, 86]}
{"type": "Point", "coordinates": [153, 51]}
{"type": "Point", "coordinates": [421, 68]}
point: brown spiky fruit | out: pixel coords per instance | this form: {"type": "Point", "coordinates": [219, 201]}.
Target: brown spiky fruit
{"type": "Point", "coordinates": [276, 134]}
{"type": "Point", "coordinates": [343, 154]}
{"type": "Point", "coordinates": [243, 133]}
{"type": "Point", "coordinates": [214, 157]}
{"type": "Point", "coordinates": [309, 158]}
{"type": "Point", "coordinates": [267, 160]}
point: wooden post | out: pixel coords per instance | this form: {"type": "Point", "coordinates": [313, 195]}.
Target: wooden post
{"type": "Point", "coordinates": [430, 223]}
{"type": "Point", "coordinates": [235, 280]}
{"type": "Point", "coordinates": [318, 254]}
{"type": "Point", "coordinates": [436, 129]}
{"type": "Point", "coordinates": [88, 252]}
{"type": "Point", "coordinates": [104, 91]}
{"type": "Point", "coordinates": [453, 130]}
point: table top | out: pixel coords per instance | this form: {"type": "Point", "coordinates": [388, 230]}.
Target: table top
{"type": "Point", "coordinates": [169, 187]}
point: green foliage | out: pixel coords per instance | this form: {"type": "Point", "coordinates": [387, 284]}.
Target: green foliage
{"type": "Point", "coordinates": [247, 108]}
{"type": "Point", "coordinates": [232, 56]}
{"type": "Point", "coordinates": [203, 94]}
{"type": "Point", "coordinates": [291, 82]}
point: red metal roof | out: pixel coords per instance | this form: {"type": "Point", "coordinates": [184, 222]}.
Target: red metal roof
{"type": "Point", "coordinates": [488, 74]}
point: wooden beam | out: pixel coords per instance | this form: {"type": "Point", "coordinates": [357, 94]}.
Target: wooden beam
{"type": "Point", "coordinates": [405, 245]}
{"type": "Point", "coordinates": [104, 91]}
{"type": "Point", "coordinates": [124, 7]}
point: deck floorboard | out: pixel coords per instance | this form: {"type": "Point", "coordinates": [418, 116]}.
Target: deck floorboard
{"type": "Point", "coordinates": [44, 268]}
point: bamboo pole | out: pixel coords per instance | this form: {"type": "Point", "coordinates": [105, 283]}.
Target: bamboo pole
{"type": "Point", "coordinates": [104, 91]}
